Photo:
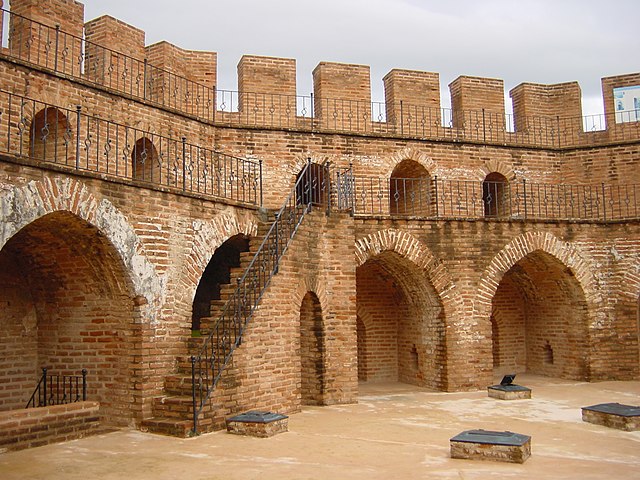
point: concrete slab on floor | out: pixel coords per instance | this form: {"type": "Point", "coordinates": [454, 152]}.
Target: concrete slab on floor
{"type": "Point", "coordinates": [395, 431]}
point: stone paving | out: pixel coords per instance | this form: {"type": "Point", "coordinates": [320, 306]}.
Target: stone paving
{"type": "Point", "coordinates": [396, 431]}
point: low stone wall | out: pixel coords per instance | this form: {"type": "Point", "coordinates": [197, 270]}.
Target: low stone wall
{"type": "Point", "coordinates": [35, 427]}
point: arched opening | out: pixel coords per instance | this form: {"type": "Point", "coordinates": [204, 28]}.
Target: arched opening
{"type": "Point", "coordinates": [404, 333]}
{"type": "Point", "coordinates": [410, 190]}
{"type": "Point", "coordinates": [312, 368]}
{"type": "Point", "coordinates": [540, 320]}
{"type": "Point", "coordinates": [51, 136]}
{"type": "Point", "coordinates": [312, 185]}
{"type": "Point", "coordinates": [495, 198]}
{"type": "Point", "coordinates": [210, 292]}
{"type": "Point", "coordinates": [67, 306]}
{"type": "Point", "coordinates": [145, 165]}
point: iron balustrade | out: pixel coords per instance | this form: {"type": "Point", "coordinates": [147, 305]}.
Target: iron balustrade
{"type": "Point", "coordinates": [311, 189]}
{"type": "Point", "coordinates": [58, 390]}
{"type": "Point", "coordinates": [73, 56]}
{"type": "Point", "coordinates": [71, 138]}
{"type": "Point", "coordinates": [461, 199]}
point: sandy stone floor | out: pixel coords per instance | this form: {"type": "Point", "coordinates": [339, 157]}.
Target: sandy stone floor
{"type": "Point", "coordinates": [395, 432]}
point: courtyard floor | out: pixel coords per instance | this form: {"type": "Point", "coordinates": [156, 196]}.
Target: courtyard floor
{"type": "Point", "coordinates": [396, 431]}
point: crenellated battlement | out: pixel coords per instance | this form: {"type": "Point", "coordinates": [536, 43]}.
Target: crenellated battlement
{"type": "Point", "coordinates": [111, 53]}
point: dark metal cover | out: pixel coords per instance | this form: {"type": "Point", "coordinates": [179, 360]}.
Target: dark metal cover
{"type": "Point", "coordinates": [491, 438]}
{"type": "Point", "coordinates": [510, 388]}
{"type": "Point", "coordinates": [257, 417]}
{"type": "Point", "coordinates": [615, 409]}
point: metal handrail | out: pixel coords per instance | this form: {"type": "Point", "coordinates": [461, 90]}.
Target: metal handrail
{"type": "Point", "coordinates": [78, 140]}
{"type": "Point", "coordinates": [58, 390]}
{"type": "Point", "coordinates": [73, 56]}
{"type": "Point", "coordinates": [311, 189]}
{"type": "Point", "coordinates": [437, 198]}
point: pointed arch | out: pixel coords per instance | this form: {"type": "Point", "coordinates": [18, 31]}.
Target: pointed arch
{"type": "Point", "coordinates": [21, 206]}
{"type": "Point", "coordinates": [410, 153]}
{"type": "Point", "coordinates": [207, 237]}
{"type": "Point", "coordinates": [519, 248]}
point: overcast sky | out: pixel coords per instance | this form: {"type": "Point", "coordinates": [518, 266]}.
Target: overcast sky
{"type": "Point", "coordinates": [539, 41]}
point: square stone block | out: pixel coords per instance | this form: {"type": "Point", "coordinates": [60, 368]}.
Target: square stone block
{"type": "Point", "coordinates": [509, 392]}
{"type": "Point", "coordinates": [613, 415]}
{"type": "Point", "coordinates": [258, 424]}
{"type": "Point", "coordinates": [490, 445]}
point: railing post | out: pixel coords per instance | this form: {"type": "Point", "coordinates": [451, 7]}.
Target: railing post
{"type": "Point", "coordinates": [327, 185]}
{"type": "Point", "coordinates": [604, 203]}
{"type": "Point", "coordinates": [55, 55]}
{"type": "Point", "coordinates": [261, 200]}
{"type": "Point", "coordinates": [78, 108]}
{"type": "Point", "coordinates": [484, 127]}
{"type": "Point", "coordinates": [144, 79]}
{"type": "Point", "coordinates": [44, 384]}
{"type": "Point", "coordinates": [277, 243]}
{"type": "Point", "coordinates": [193, 395]}
{"type": "Point", "coordinates": [312, 110]}
{"type": "Point", "coordinates": [84, 384]}
{"type": "Point", "coordinates": [435, 188]}
{"type": "Point", "coordinates": [524, 194]}
{"type": "Point", "coordinates": [184, 163]}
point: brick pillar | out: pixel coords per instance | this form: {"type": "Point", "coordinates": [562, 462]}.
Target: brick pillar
{"type": "Point", "coordinates": [412, 100]}
{"type": "Point", "coordinates": [115, 55]}
{"type": "Point", "coordinates": [477, 103]}
{"type": "Point", "coordinates": [47, 32]}
{"type": "Point", "coordinates": [342, 97]}
{"type": "Point", "coordinates": [547, 108]}
{"type": "Point", "coordinates": [267, 88]}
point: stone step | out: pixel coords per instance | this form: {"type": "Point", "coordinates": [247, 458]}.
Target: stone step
{"type": "Point", "coordinates": [168, 426]}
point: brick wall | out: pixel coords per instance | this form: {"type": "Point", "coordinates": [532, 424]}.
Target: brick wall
{"type": "Point", "coordinates": [470, 96]}
{"type": "Point", "coordinates": [342, 93]}
{"type": "Point", "coordinates": [35, 427]}
{"type": "Point", "coordinates": [538, 106]}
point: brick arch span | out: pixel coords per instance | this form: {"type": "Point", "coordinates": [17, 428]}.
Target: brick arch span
{"type": "Point", "coordinates": [521, 246]}
{"type": "Point", "coordinates": [410, 153]}
{"type": "Point", "coordinates": [409, 247]}
{"type": "Point", "coordinates": [207, 237]}
{"type": "Point", "coordinates": [496, 166]}
{"type": "Point", "coordinates": [411, 303]}
{"type": "Point", "coordinates": [21, 206]}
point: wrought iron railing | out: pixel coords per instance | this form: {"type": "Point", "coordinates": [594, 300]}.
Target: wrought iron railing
{"type": "Point", "coordinates": [75, 57]}
{"type": "Point", "coordinates": [78, 140]}
{"type": "Point", "coordinates": [459, 199]}
{"type": "Point", "coordinates": [58, 390]}
{"type": "Point", "coordinates": [311, 189]}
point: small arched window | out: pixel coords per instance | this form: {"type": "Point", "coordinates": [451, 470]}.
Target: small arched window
{"type": "Point", "coordinates": [410, 190]}
{"type": "Point", "coordinates": [144, 161]}
{"type": "Point", "coordinates": [495, 197]}
{"type": "Point", "coordinates": [50, 136]}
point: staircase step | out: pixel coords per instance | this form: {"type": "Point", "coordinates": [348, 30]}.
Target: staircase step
{"type": "Point", "coordinates": [168, 426]}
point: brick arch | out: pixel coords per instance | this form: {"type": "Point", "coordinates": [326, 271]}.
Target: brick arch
{"type": "Point", "coordinates": [410, 153]}
{"type": "Point", "coordinates": [496, 166]}
{"type": "Point", "coordinates": [207, 237]}
{"type": "Point", "coordinates": [21, 206]}
{"type": "Point", "coordinates": [409, 247]}
{"type": "Point", "coordinates": [311, 284]}
{"type": "Point", "coordinates": [521, 246]}
{"type": "Point", "coordinates": [301, 160]}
